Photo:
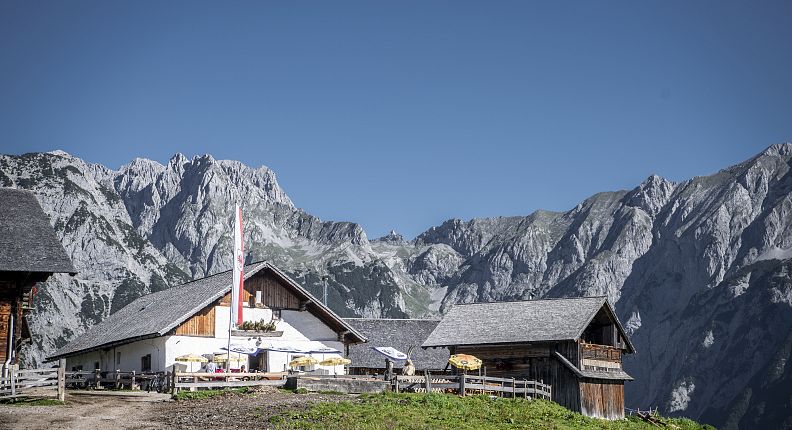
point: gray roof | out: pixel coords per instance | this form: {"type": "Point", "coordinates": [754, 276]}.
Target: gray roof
{"type": "Point", "coordinates": [397, 333]}
{"type": "Point", "coordinates": [519, 322]}
{"type": "Point", "coordinates": [158, 313]}
{"type": "Point", "coordinates": [27, 240]}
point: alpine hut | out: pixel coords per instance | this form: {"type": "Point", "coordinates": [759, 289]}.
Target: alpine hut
{"type": "Point", "coordinates": [30, 252]}
{"type": "Point", "coordinates": [574, 344]}
{"type": "Point", "coordinates": [149, 334]}
{"type": "Point", "coordinates": [405, 335]}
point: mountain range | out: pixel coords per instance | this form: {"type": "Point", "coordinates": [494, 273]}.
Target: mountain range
{"type": "Point", "coordinates": [699, 271]}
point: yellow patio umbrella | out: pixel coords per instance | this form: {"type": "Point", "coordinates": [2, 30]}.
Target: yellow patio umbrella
{"type": "Point", "coordinates": [335, 361]}
{"type": "Point", "coordinates": [191, 358]}
{"type": "Point", "coordinates": [303, 361]}
{"type": "Point", "coordinates": [464, 361]}
{"type": "Point", "coordinates": [222, 358]}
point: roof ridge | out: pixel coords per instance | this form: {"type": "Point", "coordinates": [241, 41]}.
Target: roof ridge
{"type": "Point", "coordinates": [215, 274]}
{"type": "Point", "coordinates": [390, 319]}
{"type": "Point", "coordinates": [532, 300]}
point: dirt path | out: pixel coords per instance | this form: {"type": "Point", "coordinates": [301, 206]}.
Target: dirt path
{"type": "Point", "coordinates": [91, 410]}
{"type": "Point", "coordinates": [88, 411]}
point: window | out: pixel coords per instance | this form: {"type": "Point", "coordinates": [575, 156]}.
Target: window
{"type": "Point", "coordinates": [118, 358]}
{"type": "Point", "coordinates": [96, 365]}
{"type": "Point", "coordinates": [145, 363]}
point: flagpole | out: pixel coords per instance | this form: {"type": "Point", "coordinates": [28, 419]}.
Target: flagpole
{"type": "Point", "coordinates": [230, 318]}
{"type": "Point", "coordinates": [238, 279]}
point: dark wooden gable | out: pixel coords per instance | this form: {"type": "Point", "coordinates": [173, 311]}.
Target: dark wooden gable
{"type": "Point", "coordinates": [271, 289]}
{"type": "Point", "coordinates": [604, 329]}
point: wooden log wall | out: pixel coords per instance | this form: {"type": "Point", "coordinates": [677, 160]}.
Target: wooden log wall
{"type": "Point", "coordinates": [5, 319]}
{"type": "Point", "coordinates": [201, 324]}
{"type": "Point", "coordinates": [602, 399]}
{"type": "Point", "coordinates": [533, 362]}
{"type": "Point", "coordinates": [10, 303]}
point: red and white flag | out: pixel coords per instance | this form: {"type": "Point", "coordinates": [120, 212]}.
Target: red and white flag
{"type": "Point", "coordinates": [239, 271]}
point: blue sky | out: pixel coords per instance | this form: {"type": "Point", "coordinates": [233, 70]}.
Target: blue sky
{"type": "Point", "coordinates": [404, 114]}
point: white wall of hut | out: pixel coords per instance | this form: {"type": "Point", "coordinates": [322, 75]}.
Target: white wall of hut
{"type": "Point", "coordinates": [301, 329]}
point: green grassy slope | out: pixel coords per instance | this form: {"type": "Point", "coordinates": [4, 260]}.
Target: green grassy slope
{"type": "Point", "coordinates": [440, 411]}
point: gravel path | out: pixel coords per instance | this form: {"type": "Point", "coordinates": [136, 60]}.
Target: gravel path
{"type": "Point", "coordinates": [139, 410]}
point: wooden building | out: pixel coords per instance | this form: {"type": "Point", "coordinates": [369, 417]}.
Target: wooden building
{"type": "Point", "coordinates": [29, 253]}
{"type": "Point", "coordinates": [406, 335]}
{"type": "Point", "coordinates": [575, 345]}
{"type": "Point", "coordinates": [150, 333]}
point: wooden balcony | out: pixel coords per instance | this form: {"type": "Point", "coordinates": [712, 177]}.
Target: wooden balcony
{"type": "Point", "coordinates": [600, 357]}
{"type": "Point", "coordinates": [600, 352]}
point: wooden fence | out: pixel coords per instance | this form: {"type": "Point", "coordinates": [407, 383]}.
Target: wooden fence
{"type": "Point", "coordinates": [27, 382]}
{"type": "Point", "coordinates": [192, 381]}
{"type": "Point", "coordinates": [472, 384]}
{"type": "Point", "coordinates": [116, 379]}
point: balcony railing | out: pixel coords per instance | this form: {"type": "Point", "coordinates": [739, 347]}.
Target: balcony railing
{"type": "Point", "coordinates": [600, 352]}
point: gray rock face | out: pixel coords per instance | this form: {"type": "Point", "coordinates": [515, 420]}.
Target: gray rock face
{"type": "Point", "coordinates": [699, 271]}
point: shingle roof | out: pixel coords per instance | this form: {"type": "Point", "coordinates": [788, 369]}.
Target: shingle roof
{"type": "Point", "coordinates": [158, 313]}
{"type": "Point", "coordinates": [400, 334]}
{"type": "Point", "coordinates": [518, 322]}
{"type": "Point", "coordinates": [27, 240]}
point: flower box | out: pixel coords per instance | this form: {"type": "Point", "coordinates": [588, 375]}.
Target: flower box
{"type": "Point", "coordinates": [257, 333]}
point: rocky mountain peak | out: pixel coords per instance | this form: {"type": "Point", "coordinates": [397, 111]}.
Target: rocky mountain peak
{"type": "Point", "coordinates": [778, 150]}
{"type": "Point", "coordinates": [651, 195]}
{"type": "Point", "coordinates": [391, 237]}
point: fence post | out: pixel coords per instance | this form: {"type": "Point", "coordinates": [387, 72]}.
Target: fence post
{"type": "Point", "coordinates": [62, 380]}
{"type": "Point", "coordinates": [525, 388]}
{"type": "Point", "coordinates": [462, 378]}
{"type": "Point", "coordinates": [514, 389]}
{"type": "Point", "coordinates": [172, 380]}
{"type": "Point", "coordinates": [12, 379]}
{"type": "Point", "coordinates": [397, 384]}
{"type": "Point", "coordinates": [118, 378]}
{"type": "Point", "coordinates": [428, 382]}
{"type": "Point", "coordinates": [97, 378]}
{"type": "Point", "coordinates": [132, 385]}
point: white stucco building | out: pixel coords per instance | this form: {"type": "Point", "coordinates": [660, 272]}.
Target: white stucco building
{"type": "Point", "coordinates": [152, 331]}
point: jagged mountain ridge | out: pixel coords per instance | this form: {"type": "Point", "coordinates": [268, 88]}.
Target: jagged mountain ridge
{"type": "Point", "coordinates": [654, 251]}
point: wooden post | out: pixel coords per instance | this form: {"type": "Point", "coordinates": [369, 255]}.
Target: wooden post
{"type": "Point", "coordinates": [97, 376]}
{"type": "Point", "coordinates": [12, 379]}
{"type": "Point", "coordinates": [462, 384]}
{"type": "Point", "coordinates": [514, 391]}
{"type": "Point", "coordinates": [171, 378]}
{"type": "Point", "coordinates": [396, 386]}
{"type": "Point", "coordinates": [428, 382]}
{"type": "Point", "coordinates": [118, 379]}
{"type": "Point", "coordinates": [132, 384]}
{"type": "Point", "coordinates": [62, 380]}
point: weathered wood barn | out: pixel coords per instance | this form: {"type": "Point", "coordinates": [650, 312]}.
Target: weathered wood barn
{"type": "Point", "coordinates": [575, 345]}
{"type": "Point", "coordinates": [406, 335]}
{"type": "Point", "coordinates": [29, 253]}
{"type": "Point", "coordinates": [150, 333]}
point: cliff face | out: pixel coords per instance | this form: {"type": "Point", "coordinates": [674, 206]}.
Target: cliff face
{"type": "Point", "coordinates": [698, 270]}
